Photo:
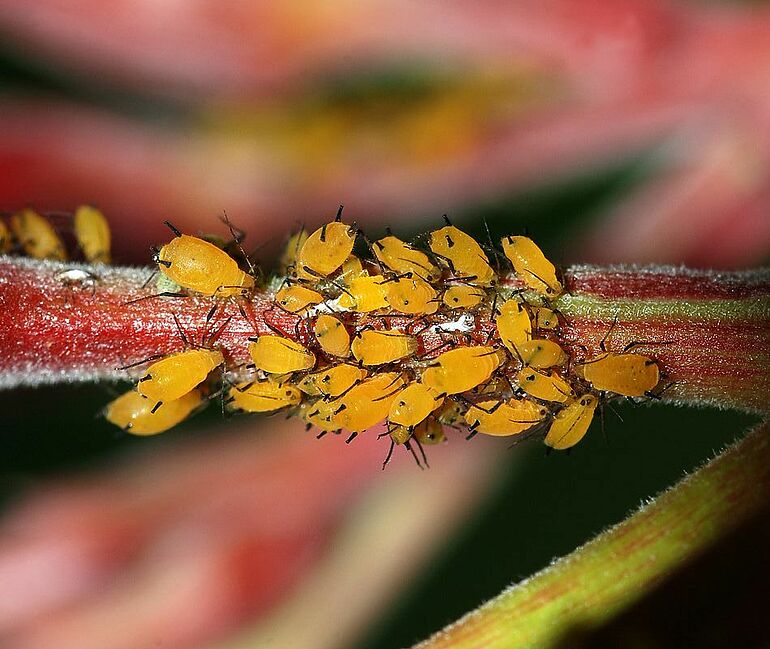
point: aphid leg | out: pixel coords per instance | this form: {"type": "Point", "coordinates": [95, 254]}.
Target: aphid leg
{"type": "Point", "coordinates": [321, 434]}
{"type": "Point", "coordinates": [179, 329]}
{"type": "Point", "coordinates": [389, 455]}
{"type": "Point", "coordinates": [640, 343]}
{"type": "Point", "coordinates": [149, 279]}
{"type": "Point", "coordinates": [603, 343]}
{"type": "Point", "coordinates": [422, 453]}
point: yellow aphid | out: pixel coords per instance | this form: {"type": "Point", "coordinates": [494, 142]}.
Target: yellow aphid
{"type": "Point", "coordinates": [36, 236]}
{"type": "Point", "coordinates": [332, 381]}
{"type": "Point", "coordinates": [548, 387]}
{"type": "Point", "coordinates": [175, 375]}
{"type": "Point", "coordinates": [364, 294]}
{"type": "Point", "coordinates": [546, 318]}
{"type": "Point", "coordinates": [413, 404]}
{"type": "Point", "coordinates": [367, 403]}
{"type": "Point", "coordinates": [326, 249]}
{"type": "Point", "coordinates": [631, 375]}
{"type": "Point", "coordinates": [399, 435]}
{"type": "Point", "coordinates": [463, 255]}
{"type": "Point", "coordinates": [571, 423]}
{"type": "Point", "coordinates": [541, 353]}
{"type": "Point", "coordinates": [279, 355]}
{"type": "Point", "coordinates": [513, 325]}
{"type": "Point", "coordinates": [379, 347]}
{"type": "Point", "coordinates": [200, 266]}
{"type": "Point", "coordinates": [401, 258]}
{"type": "Point", "coordinates": [411, 295]}
{"type": "Point", "coordinates": [291, 250]}
{"type": "Point", "coordinates": [450, 413]}
{"type": "Point", "coordinates": [263, 396]}
{"type": "Point", "coordinates": [93, 234]}
{"type": "Point", "coordinates": [462, 296]}
{"type": "Point", "coordinates": [134, 414]}
{"type": "Point", "coordinates": [531, 265]}
{"type": "Point", "coordinates": [332, 335]}
{"type": "Point", "coordinates": [504, 418]}
{"type": "Point", "coordinates": [429, 432]}
{"type": "Point", "coordinates": [296, 299]}
{"type": "Point", "coordinates": [6, 242]}
{"type": "Point", "coordinates": [462, 369]}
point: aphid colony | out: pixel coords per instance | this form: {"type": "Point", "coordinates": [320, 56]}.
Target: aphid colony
{"type": "Point", "coordinates": [419, 337]}
{"type": "Point", "coordinates": [416, 337]}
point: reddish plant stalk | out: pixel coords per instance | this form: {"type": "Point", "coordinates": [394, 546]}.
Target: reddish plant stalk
{"type": "Point", "coordinates": [710, 332]}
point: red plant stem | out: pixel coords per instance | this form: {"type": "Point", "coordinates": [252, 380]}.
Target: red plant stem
{"type": "Point", "coordinates": [709, 331]}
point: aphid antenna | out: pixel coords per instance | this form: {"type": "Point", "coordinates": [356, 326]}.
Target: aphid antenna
{"type": "Point", "coordinates": [644, 343]}
{"type": "Point", "coordinates": [154, 357]}
{"type": "Point", "coordinates": [548, 289]}
{"type": "Point", "coordinates": [156, 295]}
{"type": "Point", "coordinates": [237, 238]}
{"type": "Point", "coordinates": [395, 278]}
{"type": "Point", "coordinates": [173, 228]}
{"type": "Point", "coordinates": [342, 289]}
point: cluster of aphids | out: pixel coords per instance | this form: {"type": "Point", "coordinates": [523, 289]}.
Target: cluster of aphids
{"type": "Point", "coordinates": [419, 337]}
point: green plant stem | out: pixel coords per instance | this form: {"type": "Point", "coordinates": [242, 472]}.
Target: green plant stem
{"type": "Point", "coordinates": [617, 567]}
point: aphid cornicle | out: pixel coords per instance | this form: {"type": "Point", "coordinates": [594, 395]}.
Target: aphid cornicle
{"type": "Point", "coordinates": [379, 347]}
{"type": "Point", "coordinates": [175, 375]}
{"type": "Point", "coordinates": [326, 249]}
{"type": "Point", "coordinates": [411, 295]}
{"type": "Point", "coordinates": [546, 386]}
{"type": "Point", "coordinates": [413, 405]}
{"type": "Point", "coordinates": [401, 258]}
{"type": "Point", "coordinates": [504, 418]}
{"type": "Point", "coordinates": [36, 236]}
{"type": "Point", "coordinates": [531, 265]}
{"type": "Point", "coordinates": [462, 296]}
{"type": "Point", "coordinates": [296, 298]}
{"type": "Point", "coordinates": [513, 325]}
{"type": "Point", "coordinates": [6, 242]}
{"type": "Point", "coordinates": [279, 355]}
{"type": "Point", "coordinates": [462, 369]}
{"type": "Point", "coordinates": [571, 423]}
{"type": "Point", "coordinates": [462, 254]}
{"type": "Point", "coordinates": [263, 396]}
{"type": "Point", "coordinates": [197, 265]}
{"type": "Point", "coordinates": [332, 335]}
{"type": "Point", "coordinates": [364, 294]}
{"type": "Point", "coordinates": [93, 234]}
{"type": "Point", "coordinates": [631, 375]}
{"type": "Point", "coordinates": [138, 416]}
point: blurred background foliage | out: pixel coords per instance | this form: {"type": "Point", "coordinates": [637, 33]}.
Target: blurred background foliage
{"type": "Point", "coordinates": [545, 506]}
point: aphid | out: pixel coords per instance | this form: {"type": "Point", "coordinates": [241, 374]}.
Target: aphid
{"type": "Point", "coordinates": [137, 415]}
{"type": "Point", "coordinates": [411, 295]}
{"type": "Point", "coordinates": [631, 375]}
{"type": "Point", "coordinates": [77, 277]}
{"type": "Point", "coordinates": [504, 418]}
{"type": "Point", "coordinates": [289, 256]}
{"type": "Point", "coordinates": [320, 414]}
{"type": "Point", "coordinates": [413, 405]}
{"type": "Point", "coordinates": [541, 353]}
{"type": "Point", "coordinates": [279, 355]}
{"type": "Point", "coordinates": [327, 248]}
{"type": "Point", "coordinates": [263, 396]}
{"type": "Point", "coordinates": [545, 318]}
{"type": "Point", "coordinates": [462, 369]}
{"type": "Point", "coordinates": [571, 423]}
{"type": "Point", "coordinates": [36, 236]}
{"type": "Point", "coordinates": [548, 387]}
{"type": "Point", "coordinates": [177, 374]}
{"type": "Point", "coordinates": [380, 347]}
{"type": "Point", "coordinates": [296, 299]}
{"type": "Point", "coordinates": [200, 266]}
{"type": "Point", "coordinates": [462, 254]}
{"type": "Point", "coordinates": [513, 325]}
{"type": "Point", "coordinates": [6, 242]}
{"type": "Point", "coordinates": [332, 381]}
{"type": "Point", "coordinates": [364, 294]}
{"type": "Point", "coordinates": [429, 432]}
{"type": "Point", "coordinates": [93, 234]}
{"type": "Point", "coordinates": [531, 265]}
{"type": "Point", "coordinates": [463, 296]}
{"type": "Point", "coordinates": [332, 335]}
{"type": "Point", "coordinates": [401, 258]}
{"type": "Point", "coordinates": [367, 403]}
